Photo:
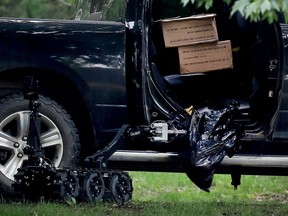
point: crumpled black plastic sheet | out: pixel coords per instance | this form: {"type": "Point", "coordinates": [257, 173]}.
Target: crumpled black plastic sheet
{"type": "Point", "coordinates": [213, 135]}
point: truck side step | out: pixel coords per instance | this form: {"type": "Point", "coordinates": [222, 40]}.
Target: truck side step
{"type": "Point", "coordinates": [157, 161]}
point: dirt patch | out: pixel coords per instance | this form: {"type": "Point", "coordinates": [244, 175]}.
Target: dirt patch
{"type": "Point", "coordinates": [281, 198]}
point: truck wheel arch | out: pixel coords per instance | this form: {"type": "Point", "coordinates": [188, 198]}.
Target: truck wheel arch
{"type": "Point", "coordinates": [60, 88]}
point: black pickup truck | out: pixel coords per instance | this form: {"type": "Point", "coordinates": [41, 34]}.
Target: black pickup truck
{"type": "Point", "coordinates": [109, 67]}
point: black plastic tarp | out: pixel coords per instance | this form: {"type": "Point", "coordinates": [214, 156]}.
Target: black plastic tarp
{"type": "Point", "coordinates": [213, 134]}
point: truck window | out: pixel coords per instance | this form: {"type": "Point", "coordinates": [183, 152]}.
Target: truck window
{"type": "Point", "coordinates": [105, 10]}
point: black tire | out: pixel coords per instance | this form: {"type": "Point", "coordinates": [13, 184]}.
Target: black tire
{"type": "Point", "coordinates": [59, 136]}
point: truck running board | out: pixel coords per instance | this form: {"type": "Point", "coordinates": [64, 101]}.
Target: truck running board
{"type": "Point", "coordinates": [157, 161]}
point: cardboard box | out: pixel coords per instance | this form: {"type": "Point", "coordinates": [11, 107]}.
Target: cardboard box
{"type": "Point", "coordinates": [189, 30]}
{"type": "Point", "coordinates": [205, 57]}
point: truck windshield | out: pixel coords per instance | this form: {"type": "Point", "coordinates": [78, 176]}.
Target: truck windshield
{"type": "Point", "coordinates": [105, 10]}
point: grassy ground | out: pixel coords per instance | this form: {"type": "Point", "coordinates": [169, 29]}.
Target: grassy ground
{"type": "Point", "coordinates": [173, 194]}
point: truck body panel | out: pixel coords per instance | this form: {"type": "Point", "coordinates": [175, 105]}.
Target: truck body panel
{"type": "Point", "coordinates": [90, 54]}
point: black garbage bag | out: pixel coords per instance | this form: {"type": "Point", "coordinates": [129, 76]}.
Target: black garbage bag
{"type": "Point", "coordinates": [213, 134]}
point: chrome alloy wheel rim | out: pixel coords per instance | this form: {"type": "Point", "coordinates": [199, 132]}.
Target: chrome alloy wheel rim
{"type": "Point", "coordinates": [13, 139]}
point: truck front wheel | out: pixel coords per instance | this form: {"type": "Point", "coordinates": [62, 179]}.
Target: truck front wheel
{"type": "Point", "coordinates": [58, 135]}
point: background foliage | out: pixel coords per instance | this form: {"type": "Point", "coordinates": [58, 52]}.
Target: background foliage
{"type": "Point", "coordinates": [64, 9]}
{"type": "Point", "coordinates": [254, 10]}
{"type": "Point", "coordinates": [58, 9]}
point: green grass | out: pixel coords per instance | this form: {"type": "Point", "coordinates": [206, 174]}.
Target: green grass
{"type": "Point", "coordinates": [174, 194]}
{"type": "Point", "coordinates": [177, 187]}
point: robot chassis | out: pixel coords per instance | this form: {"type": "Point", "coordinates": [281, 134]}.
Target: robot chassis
{"type": "Point", "coordinates": [93, 183]}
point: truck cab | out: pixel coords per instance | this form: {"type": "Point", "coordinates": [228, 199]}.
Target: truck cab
{"type": "Point", "coordinates": [109, 67]}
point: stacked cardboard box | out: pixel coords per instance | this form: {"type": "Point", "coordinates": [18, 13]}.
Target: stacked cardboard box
{"type": "Point", "coordinates": [197, 40]}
